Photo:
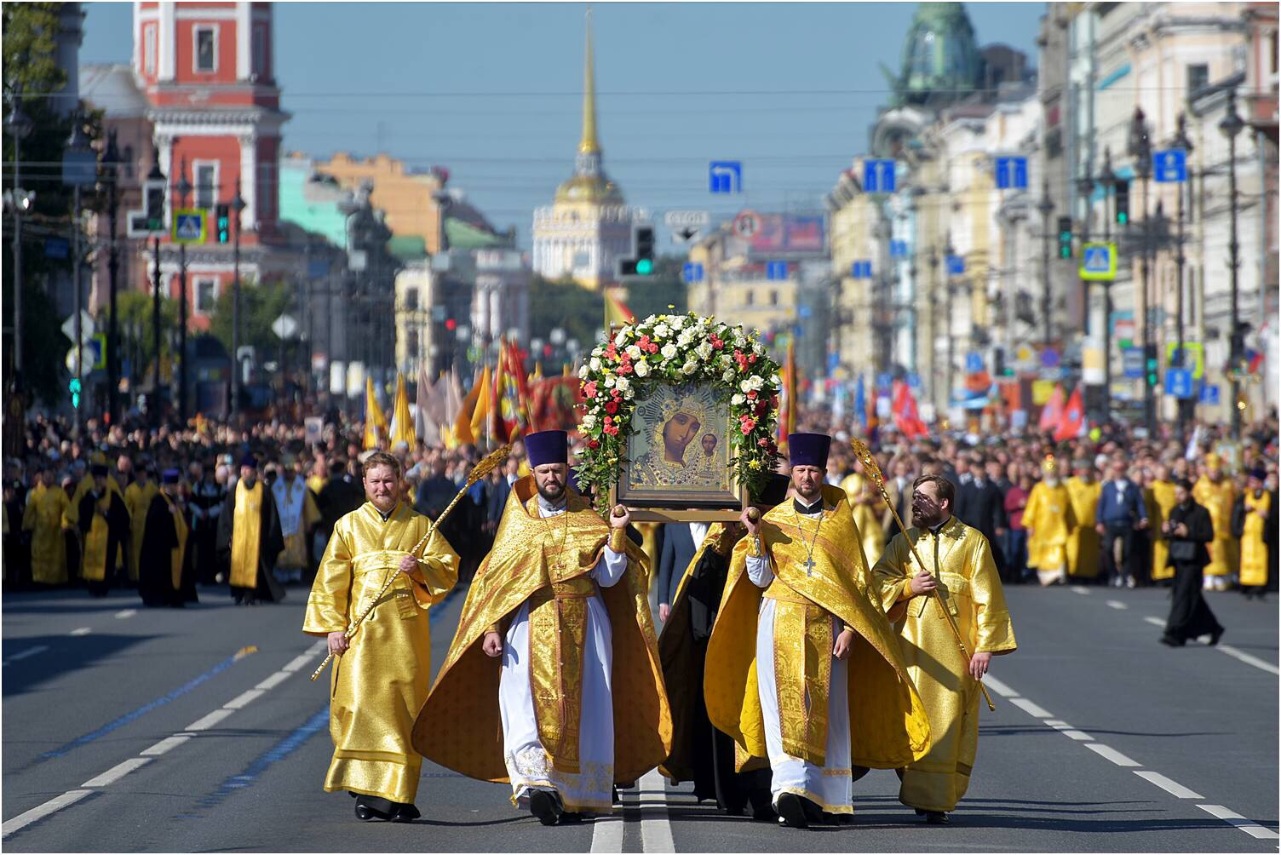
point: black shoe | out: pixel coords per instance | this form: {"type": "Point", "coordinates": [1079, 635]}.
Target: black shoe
{"type": "Point", "coordinates": [935, 817]}
{"type": "Point", "coordinates": [570, 817]}
{"type": "Point", "coordinates": [791, 811]}
{"type": "Point", "coordinates": [405, 813]}
{"type": "Point", "coordinates": [1172, 642]}
{"type": "Point", "coordinates": [369, 808]}
{"type": "Point", "coordinates": [837, 818]}
{"type": "Point", "coordinates": [1215, 636]}
{"type": "Point", "coordinates": [764, 813]}
{"type": "Point", "coordinates": [545, 805]}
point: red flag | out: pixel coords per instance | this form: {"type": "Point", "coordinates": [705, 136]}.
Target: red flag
{"type": "Point", "coordinates": [787, 404]}
{"type": "Point", "coordinates": [513, 391]}
{"type": "Point", "coordinates": [497, 424]}
{"type": "Point", "coordinates": [1052, 411]}
{"type": "Point", "coordinates": [1072, 424]}
{"type": "Point", "coordinates": [907, 417]}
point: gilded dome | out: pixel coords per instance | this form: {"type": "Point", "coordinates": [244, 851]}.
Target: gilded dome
{"type": "Point", "coordinates": [589, 188]}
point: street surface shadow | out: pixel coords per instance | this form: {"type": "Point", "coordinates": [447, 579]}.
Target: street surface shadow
{"type": "Point", "coordinates": [64, 654]}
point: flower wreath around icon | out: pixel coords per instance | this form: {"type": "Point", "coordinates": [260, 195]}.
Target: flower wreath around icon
{"type": "Point", "coordinates": [677, 349]}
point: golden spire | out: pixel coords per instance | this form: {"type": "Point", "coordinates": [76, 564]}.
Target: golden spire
{"type": "Point", "coordinates": [589, 143]}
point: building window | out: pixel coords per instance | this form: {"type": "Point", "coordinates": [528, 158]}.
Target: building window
{"type": "Point", "coordinates": [206, 41]}
{"type": "Point", "coordinates": [206, 174]}
{"type": "Point", "coordinates": [1272, 53]}
{"type": "Point", "coordinates": [1198, 77]}
{"type": "Point", "coordinates": [411, 343]}
{"type": "Point", "coordinates": [206, 295]}
{"type": "Point", "coordinates": [773, 298]}
{"type": "Point", "coordinates": [751, 297]}
{"type": "Point", "coordinates": [411, 299]}
{"type": "Point", "coordinates": [260, 51]}
{"type": "Point", "coordinates": [149, 50]}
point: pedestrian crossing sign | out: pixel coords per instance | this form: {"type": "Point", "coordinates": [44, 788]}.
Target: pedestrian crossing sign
{"type": "Point", "coordinates": [188, 226]}
{"type": "Point", "coordinates": [1098, 262]}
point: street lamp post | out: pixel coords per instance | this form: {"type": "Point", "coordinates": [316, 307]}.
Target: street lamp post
{"type": "Point", "coordinates": [79, 165]}
{"type": "Point", "coordinates": [1231, 126]}
{"type": "Point", "coordinates": [1046, 207]}
{"type": "Point", "coordinates": [1181, 141]}
{"type": "Point", "coordinates": [19, 126]}
{"type": "Point", "coordinates": [156, 177]}
{"type": "Point", "coordinates": [1141, 148]}
{"type": "Point", "coordinates": [237, 205]}
{"type": "Point", "coordinates": [111, 175]}
{"type": "Point", "coordinates": [933, 261]}
{"type": "Point", "coordinates": [1107, 180]}
{"type": "Point", "coordinates": [182, 190]}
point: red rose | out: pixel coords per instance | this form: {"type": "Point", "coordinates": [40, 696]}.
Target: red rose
{"type": "Point", "coordinates": [610, 429]}
{"type": "Point", "coordinates": [593, 444]}
{"type": "Point", "coordinates": [751, 395]}
{"type": "Point", "coordinates": [589, 389]}
{"type": "Point", "coordinates": [763, 442]}
{"type": "Point", "coordinates": [611, 407]}
{"type": "Point", "coordinates": [748, 426]}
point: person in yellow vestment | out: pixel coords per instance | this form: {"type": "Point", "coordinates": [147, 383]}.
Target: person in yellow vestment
{"type": "Point", "coordinates": [1083, 543]}
{"type": "Point", "coordinates": [1160, 500]}
{"type": "Point", "coordinates": [1048, 519]}
{"type": "Point", "coordinates": [138, 496]}
{"type": "Point", "coordinates": [383, 672]}
{"type": "Point", "coordinates": [86, 483]}
{"type": "Point", "coordinates": [1214, 492]}
{"type": "Point", "coordinates": [803, 667]}
{"type": "Point", "coordinates": [865, 499]}
{"type": "Point", "coordinates": [164, 574]}
{"type": "Point", "coordinates": [104, 530]}
{"type": "Point", "coordinates": [1254, 523]}
{"type": "Point", "coordinates": [47, 504]}
{"type": "Point", "coordinates": [959, 565]}
{"type": "Point", "coordinates": [298, 516]}
{"type": "Point", "coordinates": [249, 538]}
{"type": "Point", "coordinates": [552, 682]}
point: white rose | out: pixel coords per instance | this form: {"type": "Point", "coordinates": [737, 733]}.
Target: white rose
{"type": "Point", "coordinates": [689, 368]}
{"type": "Point", "coordinates": [678, 322]}
{"type": "Point", "coordinates": [727, 377]}
{"type": "Point", "coordinates": [629, 393]}
{"type": "Point", "coordinates": [738, 399]}
{"type": "Point", "coordinates": [668, 351]}
{"type": "Point", "coordinates": [727, 361]}
{"type": "Point", "coordinates": [662, 331]}
{"type": "Point", "coordinates": [739, 341]}
{"type": "Point", "coordinates": [623, 384]}
{"type": "Point", "coordinates": [755, 383]}
{"type": "Point", "coordinates": [633, 351]}
{"type": "Point", "coordinates": [582, 373]}
{"type": "Point", "coordinates": [609, 382]}
{"type": "Point", "coordinates": [594, 364]}
{"type": "Point", "coordinates": [642, 368]}
{"type": "Point", "coordinates": [704, 350]}
{"type": "Point", "coordinates": [589, 421]}
{"type": "Point", "coordinates": [621, 337]}
{"type": "Point", "coordinates": [686, 339]}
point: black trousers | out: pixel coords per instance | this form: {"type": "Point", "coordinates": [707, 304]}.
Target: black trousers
{"type": "Point", "coordinates": [1124, 533]}
{"type": "Point", "coordinates": [1190, 615]}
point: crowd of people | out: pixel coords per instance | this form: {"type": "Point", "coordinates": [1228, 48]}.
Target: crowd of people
{"type": "Point", "coordinates": [830, 555]}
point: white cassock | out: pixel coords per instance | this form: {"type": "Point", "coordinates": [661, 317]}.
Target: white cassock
{"type": "Point", "coordinates": [527, 762]}
{"type": "Point", "coordinates": [829, 786]}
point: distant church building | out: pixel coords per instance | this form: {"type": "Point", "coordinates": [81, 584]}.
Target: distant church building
{"type": "Point", "coordinates": [589, 226]}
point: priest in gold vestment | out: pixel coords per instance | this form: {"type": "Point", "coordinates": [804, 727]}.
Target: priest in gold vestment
{"type": "Point", "coordinates": [1083, 544]}
{"type": "Point", "coordinates": [1049, 520]}
{"type": "Point", "coordinates": [803, 667]}
{"type": "Point", "coordinates": [138, 496]}
{"type": "Point", "coordinates": [249, 538]}
{"type": "Point", "coordinates": [959, 565]}
{"type": "Point", "coordinates": [47, 505]}
{"type": "Point", "coordinates": [1254, 524]}
{"type": "Point", "coordinates": [555, 653]}
{"type": "Point", "coordinates": [1159, 497]}
{"type": "Point", "coordinates": [381, 676]}
{"type": "Point", "coordinates": [104, 531]}
{"type": "Point", "coordinates": [1214, 492]}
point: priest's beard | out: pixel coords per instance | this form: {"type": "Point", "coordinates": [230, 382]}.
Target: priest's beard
{"type": "Point", "coordinates": [553, 492]}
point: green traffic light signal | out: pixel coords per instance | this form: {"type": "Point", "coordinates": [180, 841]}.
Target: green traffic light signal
{"type": "Point", "coordinates": [74, 387]}
{"type": "Point", "coordinates": [644, 267]}
{"type": "Point", "coordinates": [1122, 218]}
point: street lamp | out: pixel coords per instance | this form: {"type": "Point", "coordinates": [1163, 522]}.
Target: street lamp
{"type": "Point", "coordinates": [1140, 145]}
{"type": "Point", "coordinates": [155, 205]}
{"type": "Point", "coordinates": [1045, 207]}
{"type": "Point", "coordinates": [237, 205]}
{"type": "Point", "coordinates": [182, 190]}
{"type": "Point", "coordinates": [1107, 180]}
{"type": "Point", "coordinates": [79, 169]}
{"type": "Point", "coordinates": [111, 176]}
{"type": "Point", "coordinates": [1231, 126]}
{"type": "Point", "coordinates": [1184, 405]}
{"type": "Point", "coordinates": [19, 126]}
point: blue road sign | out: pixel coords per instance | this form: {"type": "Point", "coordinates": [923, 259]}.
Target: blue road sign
{"type": "Point", "coordinates": [776, 270]}
{"type": "Point", "coordinates": [692, 272]}
{"type": "Point", "coordinates": [725, 176]}
{"type": "Point", "coordinates": [805, 312]}
{"type": "Point", "coordinates": [56, 248]}
{"type": "Point", "coordinates": [973, 362]}
{"type": "Point", "coordinates": [878, 176]}
{"type": "Point", "coordinates": [898, 249]}
{"type": "Point", "coordinates": [861, 270]}
{"type": "Point", "coordinates": [1132, 362]}
{"type": "Point", "coordinates": [1178, 382]}
{"type": "Point", "coordinates": [1210, 394]}
{"type": "Point", "coordinates": [1170, 166]}
{"type": "Point", "coordinates": [1011, 173]}
{"type": "Point", "coordinates": [913, 380]}
{"type": "Point", "coordinates": [833, 361]}
{"type": "Point", "coordinates": [955, 265]}
{"type": "Point", "coordinates": [317, 268]}
{"type": "Point", "coordinates": [1097, 258]}
{"type": "Point", "coordinates": [884, 380]}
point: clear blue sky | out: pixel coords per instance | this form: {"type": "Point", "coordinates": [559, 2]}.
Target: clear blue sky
{"type": "Point", "coordinates": [493, 91]}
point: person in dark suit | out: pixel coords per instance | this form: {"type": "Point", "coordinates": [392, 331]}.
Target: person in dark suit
{"type": "Point", "coordinates": [1189, 530]}
{"type": "Point", "coordinates": [1122, 512]}
{"type": "Point", "coordinates": [678, 550]}
{"type": "Point", "coordinates": [980, 504]}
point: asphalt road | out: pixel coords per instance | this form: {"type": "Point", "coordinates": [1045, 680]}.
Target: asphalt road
{"type": "Point", "coordinates": [133, 730]}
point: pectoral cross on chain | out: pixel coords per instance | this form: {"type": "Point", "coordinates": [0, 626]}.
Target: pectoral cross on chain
{"type": "Point", "coordinates": [809, 566]}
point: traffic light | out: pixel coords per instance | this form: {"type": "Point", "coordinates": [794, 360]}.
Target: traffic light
{"type": "Point", "coordinates": [155, 207]}
{"type": "Point", "coordinates": [1150, 365]}
{"type": "Point", "coordinates": [1122, 203]}
{"type": "Point", "coordinates": [642, 261]}
{"type": "Point", "coordinates": [222, 216]}
{"type": "Point", "coordinates": [1065, 237]}
{"type": "Point", "coordinates": [74, 388]}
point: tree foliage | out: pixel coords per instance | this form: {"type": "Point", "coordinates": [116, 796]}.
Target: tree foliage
{"type": "Point", "coordinates": [260, 305]}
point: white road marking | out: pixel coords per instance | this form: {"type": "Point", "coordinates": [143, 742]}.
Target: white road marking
{"type": "Point", "coordinates": [115, 773]}
{"type": "Point", "coordinates": [1078, 735]}
{"type": "Point", "coordinates": [1117, 604]}
{"type": "Point", "coordinates": [209, 720]}
{"type": "Point", "coordinates": [999, 687]}
{"type": "Point", "coordinates": [1031, 708]}
{"type": "Point", "coordinates": [167, 744]}
{"type": "Point", "coordinates": [239, 701]}
{"type": "Point", "coordinates": [126, 613]}
{"type": "Point", "coordinates": [1080, 589]}
{"type": "Point", "coordinates": [656, 829]}
{"type": "Point", "coordinates": [297, 662]}
{"type": "Point", "coordinates": [84, 630]}
{"type": "Point", "coordinates": [273, 681]}
{"type": "Point", "coordinates": [26, 654]}
{"type": "Point", "coordinates": [607, 833]}
{"type": "Point", "coordinates": [1172, 787]}
{"type": "Point", "coordinates": [1248, 659]}
{"type": "Point", "coordinates": [22, 820]}
{"type": "Point", "coordinates": [1233, 818]}
{"type": "Point", "coordinates": [1111, 754]}
{"type": "Point", "coordinates": [1155, 621]}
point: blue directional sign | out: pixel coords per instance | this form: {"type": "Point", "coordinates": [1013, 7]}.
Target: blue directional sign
{"type": "Point", "coordinates": [1210, 394]}
{"type": "Point", "coordinates": [898, 249]}
{"type": "Point", "coordinates": [725, 176]}
{"type": "Point", "coordinates": [1011, 173]}
{"type": "Point", "coordinates": [1132, 362]}
{"type": "Point", "coordinates": [1170, 166]}
{"type": "Point", "coordinates": [776, 270]}
{"type": "Point", "coordinates": [692, 272]}
{"type": "Point", "coordinates": [861, 270]}
{"type": "Point", "coordinates": [973, 362]}
{"type": "Point", "coordinates": [1178, 382]}
{"type": "Point", "coordinates": [878, 176]}
{"type": "Point", "coordinates": [955, 265]}
{"type": "Point", "coordinates": [1098, 262]}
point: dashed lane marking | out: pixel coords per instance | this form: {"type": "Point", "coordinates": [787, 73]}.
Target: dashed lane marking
{"type": "Point", "coordinates": [26, 654]}
{"type": "Point", "coordinates": [1080, 589]}
{"type": "Point", "coordinates": [1031, 708]}
{"type": "Point", "coordinates": [126, 613]}
{"type": "Point", "coordinates": [1233, 818]}
{"type": "Point", "coordinates": [116, 772]}
{"type": "Point", "coordinates": [1117, 604]}
{"type": "Point", "coordinates": [39, 812]}
{"type": "Point", "coordinates": [1248, 659]}
{"type": "Point", "coordinates": [167, 744]}
{"type": "Point", "coordinates": [1111, 754]}
{"type": "Point", "coordinates": [999, 687]}
{"type": "Point", "coordinates": [1174, 788]}
{"type": "Point", "coordinates": [656, 828]}
{"type": "Point", "coordinates": [84, 630]}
